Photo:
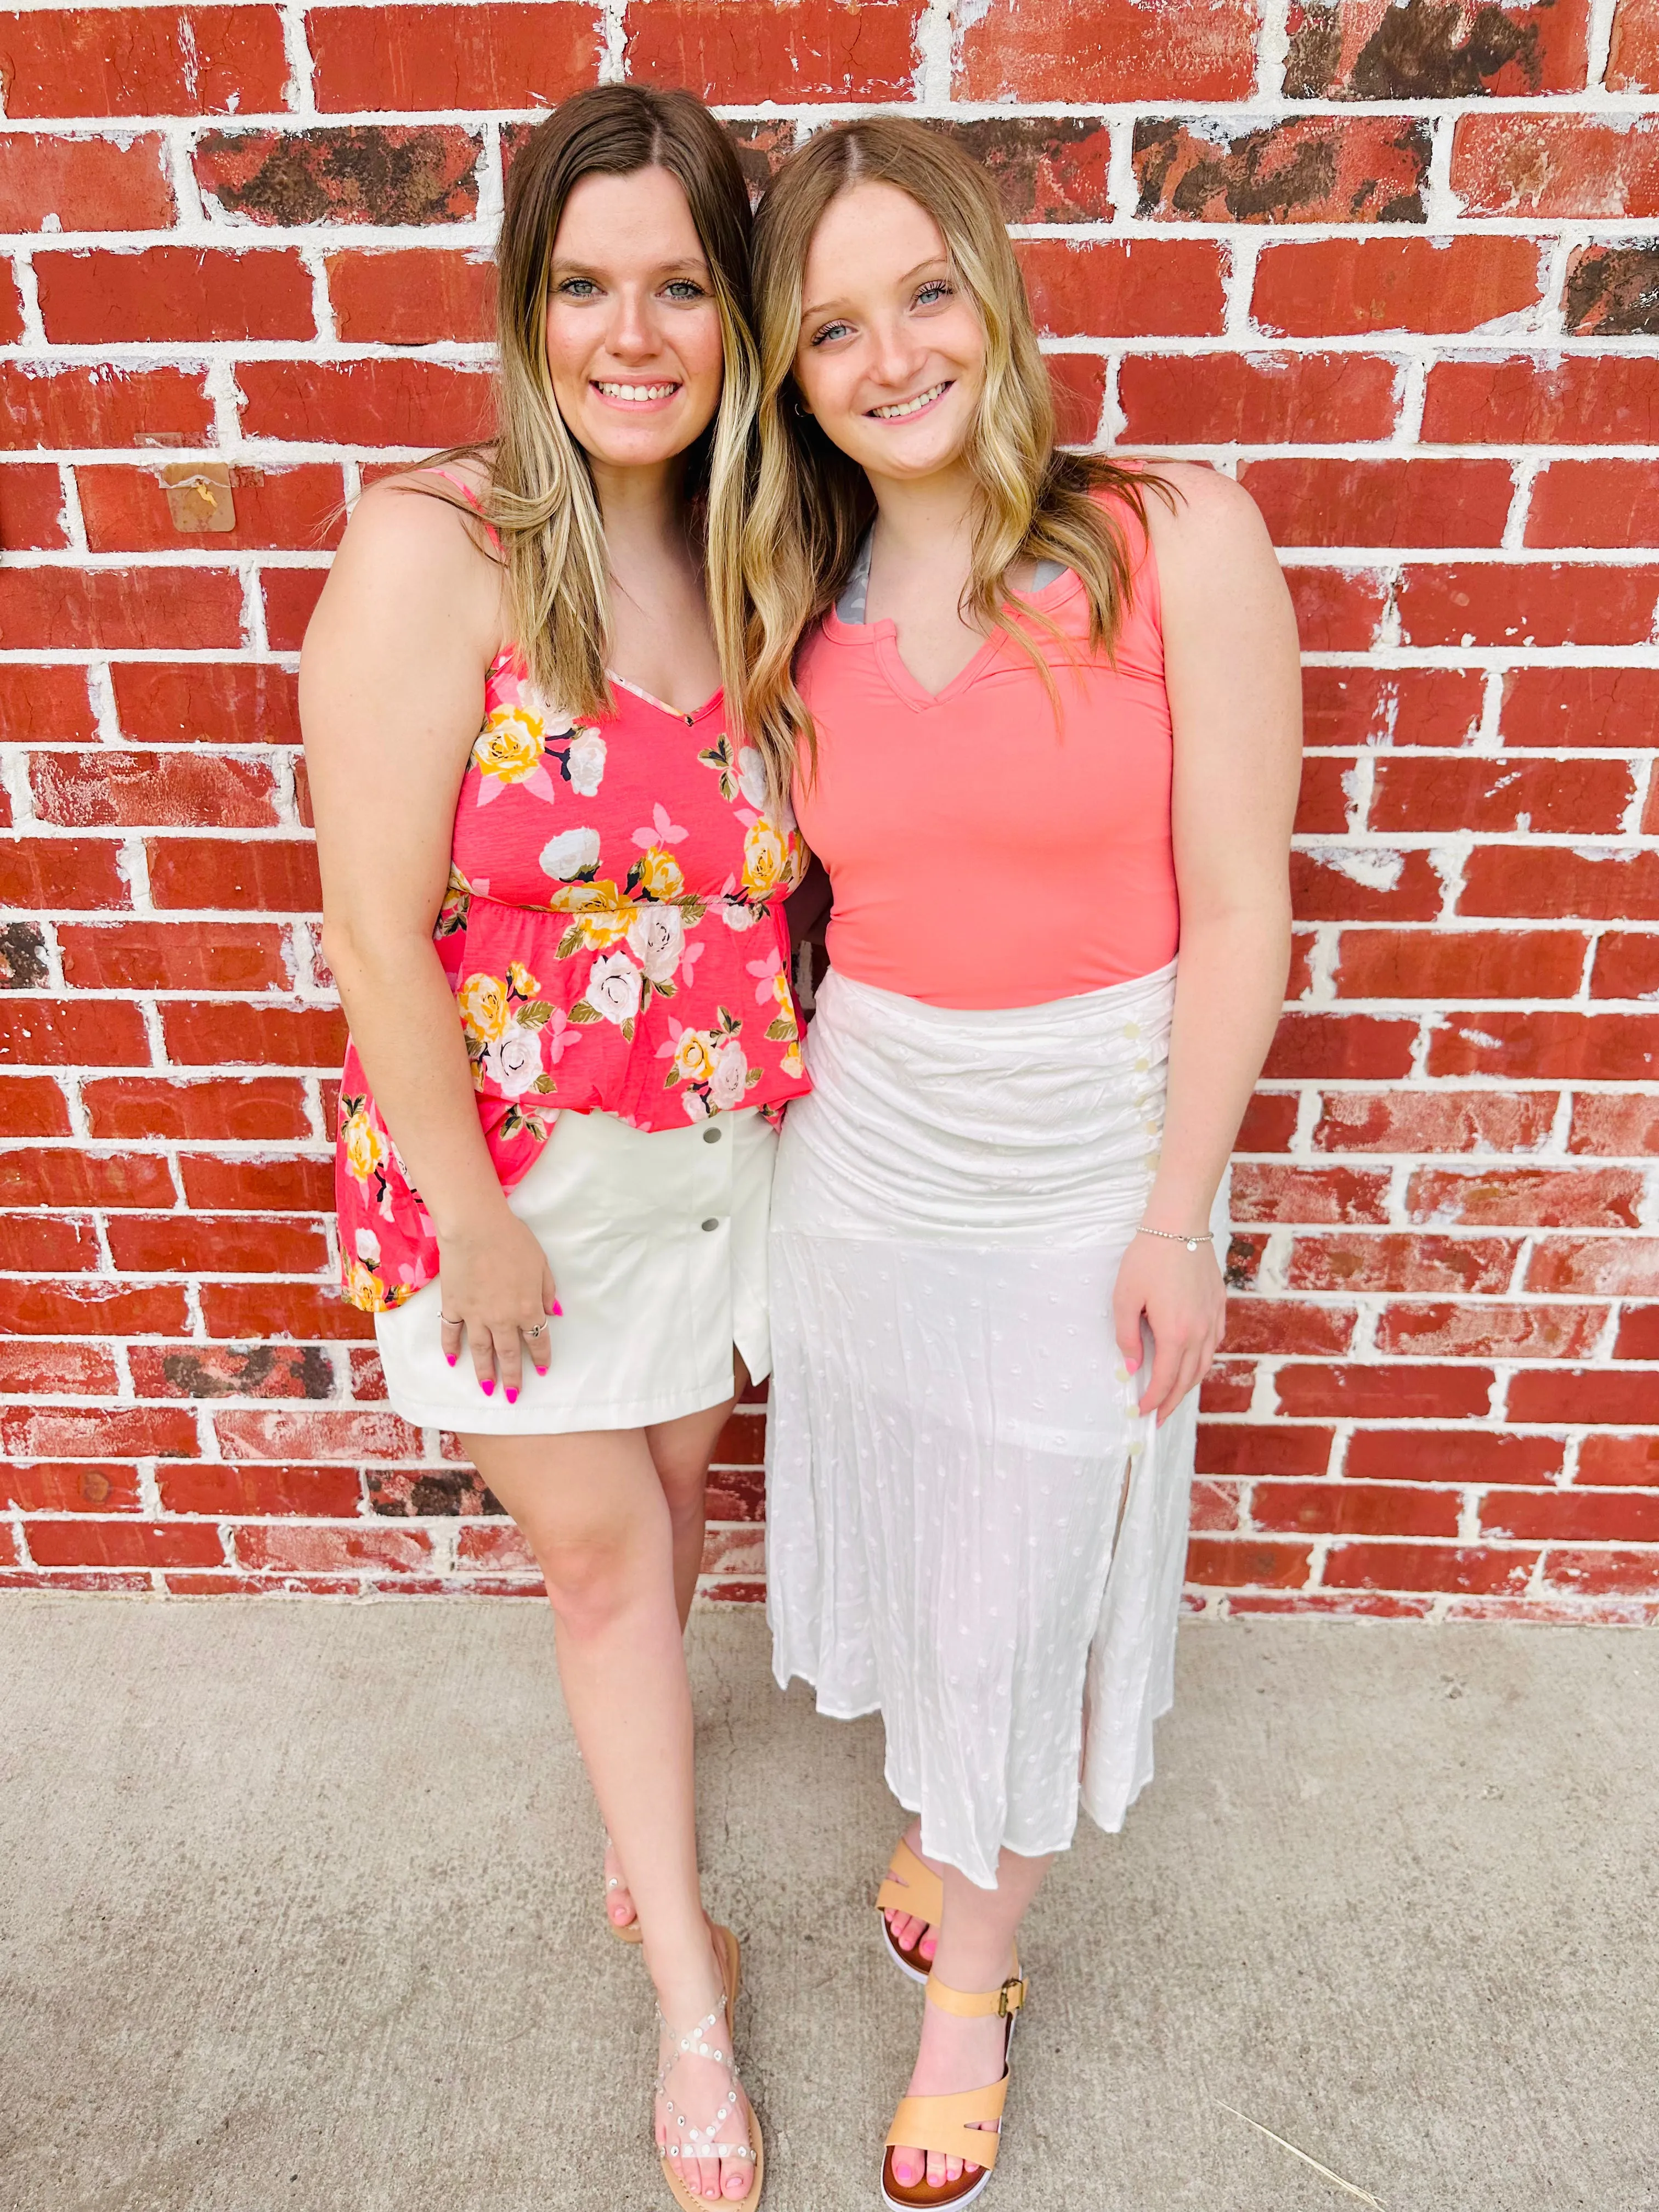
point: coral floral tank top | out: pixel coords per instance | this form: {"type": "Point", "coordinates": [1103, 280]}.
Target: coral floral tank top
{"type": "Point", "coordinates": [614, 934]}
{"type": "Point", "coordinates": [982, 852]}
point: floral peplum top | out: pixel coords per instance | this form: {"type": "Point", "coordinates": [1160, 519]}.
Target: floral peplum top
{"type": "Point", "coordinates": [614, 934]}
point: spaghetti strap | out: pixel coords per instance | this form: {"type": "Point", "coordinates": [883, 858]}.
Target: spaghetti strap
{"type": "Point", "coordinates": [451, 476]}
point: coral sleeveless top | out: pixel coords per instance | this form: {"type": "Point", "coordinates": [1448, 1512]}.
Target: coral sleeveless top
{"type": "Point", "coordinates": [981, 852]}
{"type": "Point", "coordinates": [614, 934]}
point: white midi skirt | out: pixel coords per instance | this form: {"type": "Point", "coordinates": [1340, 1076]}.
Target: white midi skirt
{"type": "Point", "coordinates": [657, 1241]}
{"type": "Point", "coordinates": [969, 1528]}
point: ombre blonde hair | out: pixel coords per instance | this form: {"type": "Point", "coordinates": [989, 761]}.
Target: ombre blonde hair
{"type": "Point", "coordinates": [539, 493]}
{"type": "Point", "coordinates": [809, 504]}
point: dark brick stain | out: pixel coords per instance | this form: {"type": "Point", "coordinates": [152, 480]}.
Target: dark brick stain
{"type": "Point", "coordinates": [22, 956]}
{"type": "Point", "coordinates": [430, 1495]}
{"type": "Point", "coordinates": [1420, 51]}
{"type": "Point", "coordinates": [352, 172]}
{"type": "Point", "coordinates": [1264, 176]}
{"type": "Point", "coordinates": [1612, 292]}
{"type": "Point", "coordinates": [1045, 170]}
{"type": "Point", "coordinates": [1244, 1260]}
{"type": "Point", "coordinates": [266, 1371]}
{"type": "Point", "coordinates": [762, 146]}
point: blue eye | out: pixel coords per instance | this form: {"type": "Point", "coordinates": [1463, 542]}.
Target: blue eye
{"type": "Point", "coordinates": [578, 288]}
{"type": "Point", "coordinates": [685, 288]}
{"type": "Point", "coordinates": [936, 289]}
{"type": "Point", "coordinates": [830, 330]}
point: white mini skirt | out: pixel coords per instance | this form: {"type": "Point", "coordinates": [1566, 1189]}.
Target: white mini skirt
{"type": "Point", "coordinates": [657, 1239]}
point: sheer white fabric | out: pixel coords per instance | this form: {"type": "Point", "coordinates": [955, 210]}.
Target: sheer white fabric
{"type": "Point", "coordinates": [949, 1541]}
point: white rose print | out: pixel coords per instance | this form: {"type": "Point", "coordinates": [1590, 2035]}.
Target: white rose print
{"type": "Point", "coordinates": [613, 988]}
{"type": "Point", "coordinates": [583, 763]}
{"type": "Point", "coordinates": [731, 1076]}
{"type": "Point", "coordinates": [566, 855]}
{"type": "Point", "coordinates": [657, 940]}
{"type": "Point", "coordinates": [514, 1061]}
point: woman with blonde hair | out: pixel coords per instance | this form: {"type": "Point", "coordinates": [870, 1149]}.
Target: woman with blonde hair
{"type": "Point", "coordinates": [552, 881]}
{"type": "Point", "coordinates": [1044, 712]}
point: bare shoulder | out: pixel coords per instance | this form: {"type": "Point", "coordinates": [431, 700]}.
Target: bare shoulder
{"type": "Point", "coordinates": [1208, 517]}
{"type": "Point", "coordinates": [415, 553]}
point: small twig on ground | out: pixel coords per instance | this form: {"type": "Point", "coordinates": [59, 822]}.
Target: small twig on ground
{"type": "Point", "coordinates": [1363, 2194]}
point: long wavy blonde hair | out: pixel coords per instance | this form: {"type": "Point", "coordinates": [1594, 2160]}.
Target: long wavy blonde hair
{"type": "Point", "coordinates": [809, 505]}
{"type": "Point", "coordinates": [539, 490]}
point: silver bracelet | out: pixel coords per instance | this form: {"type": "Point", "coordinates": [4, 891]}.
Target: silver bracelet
{"type": "Point", "coordinates": [1176, 1236]}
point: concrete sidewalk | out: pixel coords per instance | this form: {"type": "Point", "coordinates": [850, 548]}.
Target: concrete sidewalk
{"type": "Point", "coordinates": [301, 1910]}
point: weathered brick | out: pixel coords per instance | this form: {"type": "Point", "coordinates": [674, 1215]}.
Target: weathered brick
{"type": "Point", "coordinates": [120, 609]}
{"type": "Point", "coordinates": [1354, 286]}
{"type": "Point", "coordinates": [32, 515]}
{"type": "Point", "coordinates": [1633, 50]}
{"type": "Point", "coordinates": [53, 1174]}
{"type": "Point", "coordinates": [1378, 1565]}
{"type": "Point", "coordinates": [1620, 1458]}
{"type": "Point", "coordinates": [142, 789]}
{"type": "Point", "coordinates": [1358, 1047]}
{"type": "Point", "coordinates": [1612, 292]}
{"type": "Point", "coordinates": [1305, 168]}
{"type": "Point", "coordinates": [1460, 964]}
{"type": "Point", "coordinates": [1390, 706]}
{"type": "Point", "coordinates": [1355, 1508]}
{"type": "Point", "coordinates": [1317, 502]}
{"type": "Point", "coordinates": [822, 50]}
{"type": "Point", "coordinates": [1256, 1448]}
{"type": "Point", "coordinates": [278, 874]}
{"type": "Point", "coordinates": [226, 703]}
{"type": "Point", "coordinates": [1259, 399]}
{"type": "Point", "coordinates": [69, 1486]}
{"type": "Point", "coordinates": [1510, 164]}
{"type": "Point", "coordinates": [1248, 1561]}
{"type": "Point", "coordinates": [83, 184]}
{"type": "Point", "coordinates": [1436, 49]}
{"type": "Point", "coordinates": [1261, 1192]}
{"type": "Point", "coordinates": [390, 174]}
{"type": "Point", "coordinates": [414, 297]}
{"type": "Point", "coordinates": [172, 294]}
{"type": "Point", "coordinates": [126, 510]}
{"type": "Point", "coordinates": [1626, 966]}
{"type": "Point", "coordinates": [1599, 1267]}
{"type": "Point", "coordinates": [1620, 1124]}
{"type": "Point", "coordinates": [1586, 798]}
{"type": "Point", "coordinates": [422, 404]}
{"type": "Point", "coordinates": [49, 405]}
{"type": "Point", "coordinates": [483, 54]}
{"type": "Point", "coordinates": [1464, 1454]}
{"type": "Point", "coordinates": [1489, 1330]}
{"type": "Point", "coordinates": [1139, 287]}
{"type": "Point", "coordinates": [1456, 1265]}
{"type": "Point", "coordinates": [1576, 399]}
{"type": "Point", "coordinates": [1364, 883]}
{"type": "Point", "coordinates": [219, 1371]}
{"type": "Point", "coordinates": [1567, 1047]}
{"type": "Point", "coordinates": [47, 702]}
{"type": "Point", "coordinates": [1614, 708]}
{"type": "Point", "coordinates": [1091, 52]}
{"type": "Point", "coordinates": [1495, 603]}
{"type": "Point", "coordinates": [1604, 882]}
{"type": "Point", "coordinates": [142, 61]}
{"type": "Point", "coordinates": [1046, 169]}
{"type": "Point", "coordinates": [214, 1033]}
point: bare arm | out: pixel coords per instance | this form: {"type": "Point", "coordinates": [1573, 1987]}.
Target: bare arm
{"type": "Point", "coordinates": [390, 700]}
{"type": "Point", "coordinates": [1235, 699]}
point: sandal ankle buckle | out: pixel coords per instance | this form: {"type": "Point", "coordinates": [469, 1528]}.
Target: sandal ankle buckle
{"type": "Point", "coordinates": [1010, 1996]}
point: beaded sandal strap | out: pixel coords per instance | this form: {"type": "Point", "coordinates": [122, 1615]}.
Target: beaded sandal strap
{"type": "Point", "coordinates": [701, 2142]}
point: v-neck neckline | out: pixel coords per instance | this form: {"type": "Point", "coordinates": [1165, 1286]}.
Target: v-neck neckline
{"type": "Point", "coordinates": [679, 713]}
{"type": "Point", "coordinates": [884, 636]}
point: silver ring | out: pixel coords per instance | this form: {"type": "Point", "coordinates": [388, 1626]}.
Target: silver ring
{"type": "Point", "coordinates": [450, 1320]}
{"type": "Point", "coordinates": [540, 1329]}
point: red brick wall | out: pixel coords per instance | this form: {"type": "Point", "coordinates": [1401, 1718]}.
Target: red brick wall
{"type": "Point", "coordinates": [1396, 265]}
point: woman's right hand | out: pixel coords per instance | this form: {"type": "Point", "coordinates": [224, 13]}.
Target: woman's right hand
{"type": "Point", "coordinates": [497, 1294]}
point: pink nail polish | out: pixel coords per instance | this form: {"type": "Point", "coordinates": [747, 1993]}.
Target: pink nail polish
{"type": "Point", "coordinates": [487, 1384]}
{"type": "Point", "coordinates": [451, 1357]}
{"type": "Point", "coordinates": [558, 1310]}
{"type": "Point", "coordinates": [511, 1395]}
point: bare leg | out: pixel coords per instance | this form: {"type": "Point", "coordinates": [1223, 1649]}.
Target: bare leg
{"type": "Point", "coordinates": [592, 1510]}
{"type": "Point", "coordinates": [975, 1952]}
{"type": "Point", "coordinates": [681, 1452]}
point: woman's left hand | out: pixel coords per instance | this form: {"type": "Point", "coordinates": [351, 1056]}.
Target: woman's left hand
{"type": "Point", "coordinates": [1184, 1300]}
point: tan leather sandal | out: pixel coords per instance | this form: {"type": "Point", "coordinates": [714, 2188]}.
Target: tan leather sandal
{"type": "Point", "coordinates": [966, 2126]}
{"type": "Point", "coordinates": [912, 1887]}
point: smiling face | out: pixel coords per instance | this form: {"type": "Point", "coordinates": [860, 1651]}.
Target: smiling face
{"type": "Point", "coordinates": [891, 357]}
{"type": "Point", "coordinates": [633, 329]}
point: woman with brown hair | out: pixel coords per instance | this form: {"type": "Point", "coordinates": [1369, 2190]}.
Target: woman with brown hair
{"type": "Point", "coordinates": [1044, 710]}
{"type": "Point", "coordinates": [552, 880]}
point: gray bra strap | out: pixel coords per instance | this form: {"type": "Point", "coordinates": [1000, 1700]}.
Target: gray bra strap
{"type": "Point", "coordinates": [856, 592]}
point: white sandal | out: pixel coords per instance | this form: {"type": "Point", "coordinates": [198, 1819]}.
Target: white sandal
{"type": "Point", "coordinates": [687, 2142]}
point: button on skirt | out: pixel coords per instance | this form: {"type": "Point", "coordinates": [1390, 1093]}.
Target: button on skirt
{"type": "Point", "coordinates": [658, 1244]}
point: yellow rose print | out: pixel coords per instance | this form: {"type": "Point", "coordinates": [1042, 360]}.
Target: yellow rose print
{"type": "Point", "coordinates": [659, 873]}
{"type": "Point", "coordinates": [693, 1061]}
{"type": "Point", "coordinates": [361, 1289]}
{"type": "Point", "coordinates": [522, 981]}
{"type": "Point", "coordinates": [365, 1148]}
{"type": "Point", "coordinates": [765, 856]}
{"type": "Point", "coordinates": [792, 1063]}
{"type": "Point", "coordinates": [509, 744]}
{"type": "Point", "coordinates": [601, 926]}
{"type": "Point", "coordinates": [484, 1010]}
